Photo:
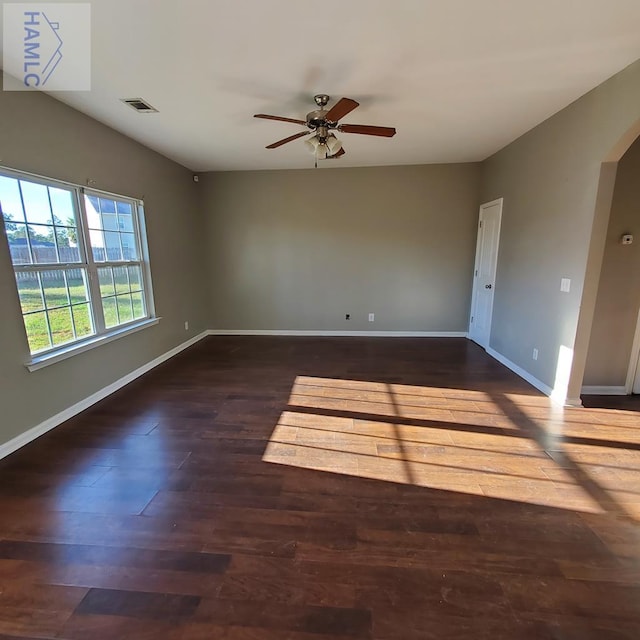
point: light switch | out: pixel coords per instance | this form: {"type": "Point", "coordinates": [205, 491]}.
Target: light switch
{"type": "Point", "coordinates": [565, 285]}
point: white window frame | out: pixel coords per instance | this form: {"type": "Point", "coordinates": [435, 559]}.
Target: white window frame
{"type": "Point", "coordinates": [102, 334]}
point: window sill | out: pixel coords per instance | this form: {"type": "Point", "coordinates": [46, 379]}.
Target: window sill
{"type": "Point", "coordinates": [38, 362]}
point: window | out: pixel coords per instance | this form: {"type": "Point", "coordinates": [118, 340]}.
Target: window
{"type": "Point", "coordinates": [78, 257]}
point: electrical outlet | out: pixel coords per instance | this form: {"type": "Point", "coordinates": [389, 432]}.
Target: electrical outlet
{"type": "Point", "coordinates": [565, 285]}
{"type": "Point", "coordinates": [535, 354]}
{"type": "Point", "coordinates": [372, 317]}
{"type": "Point", "coordinates": [186, 325]}
{"type": "Point", "coordinates": [347, 316]}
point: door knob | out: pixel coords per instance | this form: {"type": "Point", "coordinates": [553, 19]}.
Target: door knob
{"type": "Point", "coordinates": [488, 286]}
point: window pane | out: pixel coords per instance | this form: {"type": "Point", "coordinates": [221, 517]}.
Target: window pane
{"type": "Point", "coordinates": [67, 245]}
{"type": "Point", "coordinates": [113, 237]}
{"type": "Point", "coordinates": [110, 222]}
{"type": "Point", "coordinates": [112, 245]}
{"type": "Point", "coordinates": [92, 207]}
{"type": "Point", "coordinates": [123, 208]}
{"type": "Point", "coordinates": [61, 325]}
{"type": "Point", "coordinates": [18, 245]}
{"type": "Point", "coordinates": [138, 305]}
{"type": "Point", "coordinates": [97, 245]}
{"type": "Point", "coordinates": [43, 244]}
{"type": "Point", "coordinates": [105, 278]}
{"type": "Point", "coordinates": [62, 205]}
{"type": "Point", "coordinates": [10, 199]}
{"type": "Point", "coordinates": [78, 285]}
{"type": "Point", "coordinates": [83, 320]}
{"type": "Point", "coordinates": [107, 205]}
{"type": "Point", "coordinates": [124, 309]}
{"type": "Point", "coordinates": [55, 288]}
{"type": "Point", "coordinates": [37, 333]}
{"type": "Point", "coordinates": [93, 202]}
{"type": "Point", "coordinates": [121, 280]}
{"type": "Point", "coordinates": [36, 202]}
{"type": "Point", "coordinates": [129, 248]}
{"type": "Point", "coordinates": [29, 292]}
{"type": "Point", "coordinates": [135, 278]}
{"type": "Point", "coordinates": [125, 217]}
{"type": "Point", "coordinates": [110, 312]}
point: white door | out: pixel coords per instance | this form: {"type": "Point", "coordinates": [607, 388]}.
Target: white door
{"type": "Point", "coordinates": [484, 280]}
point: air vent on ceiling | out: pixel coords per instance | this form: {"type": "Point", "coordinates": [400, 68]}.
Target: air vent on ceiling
{"type": "Point", "coordinates": [140, 105]}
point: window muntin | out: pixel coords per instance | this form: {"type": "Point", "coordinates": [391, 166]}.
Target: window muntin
{"type": "Point", "coordinates": [71, 289]}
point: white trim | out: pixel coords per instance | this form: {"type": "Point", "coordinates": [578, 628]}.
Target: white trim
{"type": "Point", "coordinates": [59, 418]}
{"type": "Point", "coordinates": [558, 398]}
{"type": "Point", "coordinates": [338, 334]}
{"type": "Point", "coordinates": [634, 362]}
{"type": "Point", "coordinates": [525, 375]}
{"type": "Point", "coordinates": [604, 391]}
{"type": "Point", "coordinates": [45, 360]}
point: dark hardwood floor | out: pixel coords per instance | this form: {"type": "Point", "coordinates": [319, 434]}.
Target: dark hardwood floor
{"type": "Point", "coordinates": [314, 488]}
{"type": "Point", "coordinates": [626, 403]}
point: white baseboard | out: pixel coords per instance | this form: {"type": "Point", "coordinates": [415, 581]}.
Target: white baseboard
{"type": "Point", "coordinates": [556, 397]}
{"type": "Point", "coordinates": [604, 391]}
{"type": "Point", "coordinates": [525, 375]}
{"type": "Point", "coordinates": [40, 429]}
{"type": "Point", "coordinates": [338, 334]}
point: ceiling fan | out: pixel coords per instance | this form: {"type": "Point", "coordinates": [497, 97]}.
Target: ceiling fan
{"type": "Point", "coordinates": [323, 124]}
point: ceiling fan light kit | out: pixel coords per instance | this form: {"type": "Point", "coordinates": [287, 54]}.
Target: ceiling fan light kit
{"type": "Point", "coordinates": [324, 144]}
{"type": "Point", "coordinates": [323, 148]}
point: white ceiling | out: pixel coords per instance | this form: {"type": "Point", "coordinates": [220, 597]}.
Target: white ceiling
{"type": "Point", "coordinates": [459, 79]}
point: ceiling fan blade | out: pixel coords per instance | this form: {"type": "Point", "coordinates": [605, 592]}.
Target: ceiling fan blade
{"type": "Point", "coordinates": [367, 130]}
{"type": "Point", "coordinates": [289, 139]}
{"type": "Point", "coordinates": [337, 154]}
{"type": "Point", "coordinates": [341, 108]}
{"type": "Point", "coordinates": [280, 118]}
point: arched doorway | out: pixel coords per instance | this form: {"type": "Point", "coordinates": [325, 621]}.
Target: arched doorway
{"type": "Point", "coordinates": [596, 260]}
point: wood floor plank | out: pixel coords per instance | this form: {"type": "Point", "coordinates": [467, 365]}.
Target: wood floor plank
{"type": "Point", "coordinates": [105, 627]}
{"type": "Point", "coordinates": [306, 618]}
{"type": "Point", "coordinates": [137, 604]}
{"type": "Point", "coordinates": [115, 556]}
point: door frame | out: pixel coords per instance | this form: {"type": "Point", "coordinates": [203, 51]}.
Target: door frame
{"type": "Point", "coordinates": [474, 290]}
{"type": "Point", "coordinates": [634, 361]}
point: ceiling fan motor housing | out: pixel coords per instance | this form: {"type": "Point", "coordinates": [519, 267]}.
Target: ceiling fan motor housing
{"type": "Point", "coordinates": [317, 120]}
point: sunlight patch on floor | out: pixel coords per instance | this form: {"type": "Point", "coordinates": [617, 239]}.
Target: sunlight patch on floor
{"type": "Point", "coordinates": [508, 446]}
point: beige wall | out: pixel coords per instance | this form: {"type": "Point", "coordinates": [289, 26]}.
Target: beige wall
{"type": "Point", "coordinates": [299, 249]}
{"type": "Point", "coordinates": [549, 180]}
{"type": "Point", "coordinates": [618, 299]}
{"type": "Point", "coordinates": [41, 135]}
